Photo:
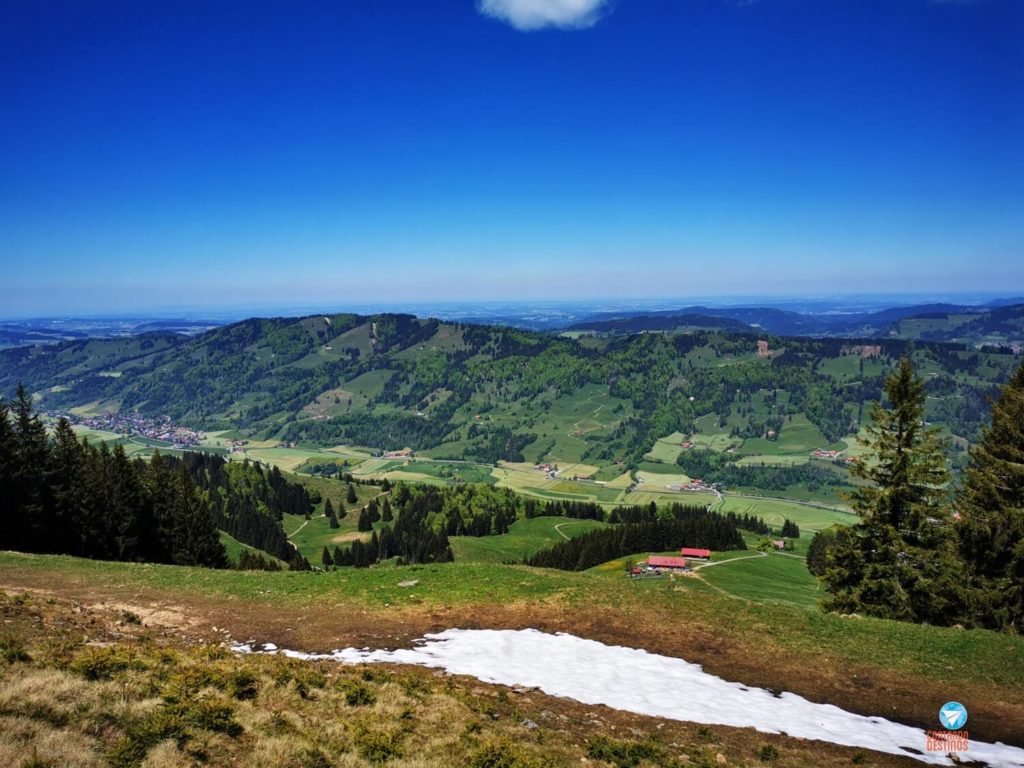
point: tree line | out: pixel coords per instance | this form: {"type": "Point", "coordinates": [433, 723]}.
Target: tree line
{"type": "Point", "coordinates": [61, 495]}
{"type": "Point", "coordinates": [682, 526]}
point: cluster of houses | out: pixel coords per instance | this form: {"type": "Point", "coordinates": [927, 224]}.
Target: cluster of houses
{"type": "Point", "coordinates": [135, 424]}
{"type": "Point", "coordinates": [833, 456]}
{"type": "Point", "coordinates": [693, 486]}
{"type": "Point", "coordinates": [658, 564]}
{"type": "Point", "coordinates": [550, 470]}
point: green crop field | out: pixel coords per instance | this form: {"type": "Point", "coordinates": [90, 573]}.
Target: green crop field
{"type": "Point", "coordinates": [774, 511]}
{"type": "Point", "coordinates": [798, 436]}
{"type": "Point", "coordinates": [525, 537]}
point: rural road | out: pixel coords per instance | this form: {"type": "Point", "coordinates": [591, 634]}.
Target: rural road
{"type": "Point", "coordinates": [558, 528]}
{"type": "Point", "coordinates": [730, 560]}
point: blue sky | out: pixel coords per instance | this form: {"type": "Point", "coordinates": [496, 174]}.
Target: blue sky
{"type": "Point", "coordinates": [167, 153]}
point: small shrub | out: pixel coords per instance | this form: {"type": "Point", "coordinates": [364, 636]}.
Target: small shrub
{"type": "Point", "coordinates": [622, 754]}
{"type": "Point", "coordinates": [379, 746]}
{"type": "Point", "coordinates": [12, 649]}
{"type": "Point", "coordinates": [500, 755]}
{"type": "Point", "coordinates": [767, 753]}
{"type": "Point", "coordinates": [859, 758]}
{"type": "Point", "coordinates": [243, 685]}
{"type": "Point", "coordinates": [102, 663]}
{"type": "Point", "coordinates": [358, 695]}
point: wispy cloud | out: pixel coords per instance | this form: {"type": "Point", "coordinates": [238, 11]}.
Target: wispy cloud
{"type": "Point", "coordinates": [528, 15]}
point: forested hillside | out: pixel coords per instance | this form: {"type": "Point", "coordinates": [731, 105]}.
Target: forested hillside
{"type": "Point", "coordinates": [490, 393]}
{"type": "Point", "coordinates": [62, 495]}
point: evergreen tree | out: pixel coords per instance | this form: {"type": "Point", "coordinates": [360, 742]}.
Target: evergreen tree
{"type": "Point", "coordinates": [328, 509]}
{"type": "Point", "coordinates": [364, 523]}
{"type": "Point", "coordinates": [7, 508]}
{"type": "Point", "coordinates": [67, 458]}
{"type": "Point", "coordinates": [899, 562]}
{"type": "Point", "coordinates": [817, 551]}
{"type": "Point", "coordinates": [386, 514]}
{"type": "Point", "coordinates": [29, 475]}
{"type": "Point", "coordinates": [350, 496]}
{"type": "Point", "coordinates": [340, 511]}
{"type": "Point", "coordinates": [990, 504]}
{"type": "Point", "coordinates": [196, 540]}
{"type": "Point", "coordinates": [326, 558]}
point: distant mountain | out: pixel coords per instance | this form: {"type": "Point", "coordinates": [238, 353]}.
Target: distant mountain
{"type": "Point", "coordinates": [663, 322]}
{"type": "Point", "coordinates": [978, 322]}
{"type": "Point", "coordinates": [17, 333]}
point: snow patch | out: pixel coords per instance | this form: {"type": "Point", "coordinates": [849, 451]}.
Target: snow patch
{"type": "Point", "coordinates": [648, 684]}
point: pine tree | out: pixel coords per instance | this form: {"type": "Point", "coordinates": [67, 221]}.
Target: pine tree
{"type": "Point", "coordinates": [328, 509]}
{"type": "Point", "coordinates": [351, 497]}
{"type": "Point", "coordinates": [6, 469]}
{"type": "Point", "coordinates": [29, 475]}
{"type": "Point", "coordinates": [196, 540]}
{"type": "Point", "coordinates": [68, 488]}
{"type": "Point", "coordinates": [899, 562]}
{"type": "Point", "coordinates": [340, 511]}
{"type": "Point", "coordinates": [326, 558]}
{"type": "Point", "coordinates": [990, 504]}
{"type": "Point", "coordinates": [365, 523]}
{"type": "Point", "coordinates": [386, 514]}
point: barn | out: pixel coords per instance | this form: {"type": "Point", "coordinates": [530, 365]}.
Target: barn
{"type": "Point", "coordinates": [674, 563]}
{"type": "Point", "coordinates": [697, 554]}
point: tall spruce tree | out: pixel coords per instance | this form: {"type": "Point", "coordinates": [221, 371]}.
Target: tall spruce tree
{"type": "Point", "coordinates": [196, 540]}
{"type": "Point", "coordinates": [990, 504]}
{"type": "Point", "coordinates": [900, 561]}
{"type": "Point", "coordinates": [68, 489]}
{"type": "Point", "coordinates": [7, 510]}
{"type": "Point", "coordinates": [29, 476]}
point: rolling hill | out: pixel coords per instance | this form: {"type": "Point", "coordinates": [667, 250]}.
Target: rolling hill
{"type": "Point", "coordinates": [490, 393]}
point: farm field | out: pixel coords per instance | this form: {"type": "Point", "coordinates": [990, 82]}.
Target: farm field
{"type": "Point", "coordinates": [773, 511]}
{"type": "Point", "coordinates": [525, 537]}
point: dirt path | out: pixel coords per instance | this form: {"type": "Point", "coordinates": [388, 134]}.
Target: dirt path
{"type": "Point", "coordinates": [730, 560]}
{"type": "Point", "coordinates": [558, 529]}
{"type": "Point", "coordinates": [295, 532]}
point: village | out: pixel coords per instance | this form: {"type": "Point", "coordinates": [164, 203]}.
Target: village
{"type": "Point", "coordinates": [133, 424]}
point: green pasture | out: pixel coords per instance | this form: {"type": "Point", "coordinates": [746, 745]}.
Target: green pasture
{"type": "Point", "coordinates": [525, 537]}
{"type": "Point", "coordinates": [773, 511]}
{"type": "Point", "coordinates": [797, 436]}
{"type": "Point", "coordinates": [958, 657]}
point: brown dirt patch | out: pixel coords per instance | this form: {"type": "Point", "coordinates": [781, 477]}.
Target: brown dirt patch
{"type": "Point", "coordinates": [997, 713]}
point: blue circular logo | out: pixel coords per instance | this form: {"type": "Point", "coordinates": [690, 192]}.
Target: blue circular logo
{"type": "Point", "coordinates": [953, 715]}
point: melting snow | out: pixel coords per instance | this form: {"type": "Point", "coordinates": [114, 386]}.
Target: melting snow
{"type": "Point", "coordinates": [649, 684]}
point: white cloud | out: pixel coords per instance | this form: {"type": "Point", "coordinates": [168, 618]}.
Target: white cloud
{"type": "Point", "coordinates": [527, 15]}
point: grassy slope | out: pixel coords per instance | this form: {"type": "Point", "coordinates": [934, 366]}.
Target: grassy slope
{"type": "Point", "coordinates": [960, 659]}
{"type": "Point", "coordinates": [138, 692]}
{"type": "Point", "coordinates": [525, 537]}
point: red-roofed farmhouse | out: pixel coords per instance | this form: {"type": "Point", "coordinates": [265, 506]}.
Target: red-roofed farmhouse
{"type": "Point", "coordinates": [656, 561]}
{"type": "Point", "coordinates": [700, 554]}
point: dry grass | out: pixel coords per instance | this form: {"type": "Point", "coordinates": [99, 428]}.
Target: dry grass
{"type": "Point", "coordinates": [138, 696]}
